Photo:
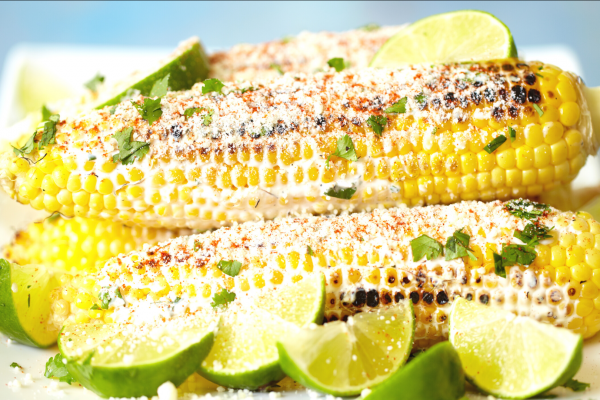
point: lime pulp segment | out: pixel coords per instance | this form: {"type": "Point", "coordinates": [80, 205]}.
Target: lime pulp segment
{"type": "Point", "coordinates": [127, 360]}
{"type": "Point", "coordinates": [509, 356]}
{"type": "Point", "coordinates": [245, 354]}
{"type": "Point", "coordinates": [345, 358]}
{"type": "Point", "coordinates": [460, 36]}
{"type": "Point", "coordinates": [24, 294]}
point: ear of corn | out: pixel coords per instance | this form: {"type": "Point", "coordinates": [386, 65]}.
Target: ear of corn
{"type": "Point", "coordinates": [292, 146]}
{"type": "Point", "coordinates": [79, 244]}
{"type": "Point", "coordinates": [307, 52]}
{"type": "Point", "coordinates": [368, 261]}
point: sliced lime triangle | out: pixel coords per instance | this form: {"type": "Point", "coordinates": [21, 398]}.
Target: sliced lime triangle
{"type": "Point", "coordinates": [460, 36]}
{"type": "Point", "coordinates": [439, 365]}
{"type": "Point", "coordinates": [127, 360]}
{"type": "Point", "coordinates": [24, 305]}
{"type": "Point", "coordinates": [244, 355]}
{"type": "Point", "coordinates": [343, 359]}
{"type": "Point", "coordinates": [509, 356]}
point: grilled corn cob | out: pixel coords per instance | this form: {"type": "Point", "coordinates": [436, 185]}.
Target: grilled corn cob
{"type": "Point", "coordinates": [79, 244]}
{"type": "Point", "coordinates": [307, 52]}
{"type": "Point", "coordinates": [369, 259]}
{"type": "Point", "coordinates": [329, 142]}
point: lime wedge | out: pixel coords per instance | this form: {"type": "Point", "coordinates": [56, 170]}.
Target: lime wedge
{"type": "Point", "coordinates": [459, 36]}
{"type": "Point", "coordinates": [512, 357]}
{"type": "Point", "coordinates": [439, 364]}
{"type": "Point", "coordinates": [127, 360]}
{"type": "Point", "coordinates": [345, 358]}
{"type": "Point", "coordinates": [244, 355]}
{"type": "Point", "coordinates": [24, 305]}
{"type": "Point", "coordinates": [186, 66]}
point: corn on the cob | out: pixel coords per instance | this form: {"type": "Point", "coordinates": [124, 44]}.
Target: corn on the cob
{"type": "Point", "coordinates": [304, 144]}
{"type": "Point", "coordinates": [79, 244]}
{"type": "Point", "coordinates": [307, 52]}
{"type": "Point", "coordinates": [368, 260]}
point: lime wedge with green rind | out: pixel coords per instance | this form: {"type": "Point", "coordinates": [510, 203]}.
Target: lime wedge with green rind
{"type": "Point", "coordinates": [244, 355]}
{"type": "Point", "coordinates": [343, 359]}
{"type": "Point", "coordinates": [187, 66]}
{"type": "Point", "coordinates": [459, 36]}
{"type": "Point", "coordinates": [24, 305]}
{"type": "Point", "coordinates": [509, 356]}
{"type": "Point", "coordinates": [434, 374]}
{"type": "Point", "coordinates": [128, 360]}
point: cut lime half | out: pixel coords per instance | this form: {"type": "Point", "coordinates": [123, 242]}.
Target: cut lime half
{"type": "Point", "coordinates": [459, 36]}
{"type": "Point", "coordinates": [245, 352]}
{"type": "Point", "coordinates": [24, 303]}
{"type": "Point", "coordinates": [127, 360]}
{"type": "Point", "coordinates": [343, 359]}
{"type": "Point", "coordinates": [439, 365]}
{"type": "Point", "coordinates": [512, 357]}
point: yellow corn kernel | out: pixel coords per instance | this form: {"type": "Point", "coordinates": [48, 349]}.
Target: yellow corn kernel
{"type": "Point", "coordinates": [574, 141]}
{"type": "Point", "coordinates": [18, 166]}
{"type": "Point", "coordinates": [81, 198]}
{"type": "Point", "coordinates": [276, 277]}
{"type": "Point", "coordinates": [589, 290]}
{"type": "Point", "coordinates": [592, 258]}
{"type": "Point", "coordinates": [563, 275]}
{"type": "Point", "coordinates": [374, 276]}
{"type": "Point", "coordinates": [258, 280]}
{"type": "Point", "coordinates": [89, 184]}
{"type": "Point", "coordinates": [293, 259]}
{"type": "Point", "coordinates": [307, 264]}
{"type": "Point", "coordinates": [525, 157]}
{"type": "Point", "coordinates": [565, 90]}
{"type": "Point", "coordinates": [575, 255]}
{"type": "Point", "coordinates": [159, 178]}
{"type": "Point", "coordinates": [584, 307]}
{"type": "Point", "coordinates": [84, 300]}
{"type": "Point", "coordinates": [61, 177]}
{"type": "Point", "coordinates": [244, 285]}
{"type": "Point", "coordinates": [82, 318]}
{"type": "Point", "coordinates": [48, 186]}
{"type": "Point", "coordinates": [105, 186]}
{"type": "Point", "coordinates": [35, 177]}
{"type": "Point", "coordinates": [354, 275]}
{"type": "Point", "coordinates": [568, 239]}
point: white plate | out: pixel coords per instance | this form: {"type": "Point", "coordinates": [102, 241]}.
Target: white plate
{"type": "Point", "coordinates": [74, 65]}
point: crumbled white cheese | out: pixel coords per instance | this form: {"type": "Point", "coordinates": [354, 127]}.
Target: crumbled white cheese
{"type": "Point", "coordinates": [167, 391]}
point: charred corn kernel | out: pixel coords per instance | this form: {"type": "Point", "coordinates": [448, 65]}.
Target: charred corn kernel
{"type": "Point", "coordinates": [442, 167]}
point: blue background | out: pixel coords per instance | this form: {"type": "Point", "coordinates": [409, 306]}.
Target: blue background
{"type": "Point", "coordinates": [575, 24]}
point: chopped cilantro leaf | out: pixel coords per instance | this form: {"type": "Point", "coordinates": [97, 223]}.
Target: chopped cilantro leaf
{"type": "Point", "coordinates": [512, 134]}
{"type": "Point", "coordinates": [421, 98]}
{"type": "Point", "coordinates": [457, 246]}
{"type": "Point", "coordinates": [277, 68]}
{"type": "Point", "coordinates": [56, 368]}
{"type": "Point", "coordinates": [341, 192]}
{"type": "Point", "coordinates": [95, 307]}
{"type": "Point", "coordinates": [160, 87]}
{"type": "Point", "coordinates": [150, 110]}
{"type": "Point", "coordinates": [112, 110]}
{"type": "Point", "coordinates": [15, 365]}
{"type": "Point", "coordinates": [191, 111]}
{"type": "Point", "coordinates": [424, 246]}
{"type": "Point", "coordinates": [27, 148]}
{"type": "Point", "coordinates": [345, 149]}
{"type": "Point", "coordinates": [46, 113]}
{"type": "Point", "coordinates": [540, 75]}
{"type": "Point", "coordinates": [526, 209]}
{"type": "Point", "coordinates": [207, 117]}
{"type": "Point", "coordinates": [513, 254]}
{"type": "Point", "coordinates": [106, 297]}
{"type": "Point", "coordinates": [398, 107]}
{"type": "Point", "coordinates": [576, 386]}
{"type": "Point", "coordinates": [222, 298]}
{"type": "Point", "coordinates": [248, 89]}
{"type": "Point", "coordinates": [538, 109]}
{"type": "Point", "coordinates": [197, 246]}
{"type": "Point", "coordinates": [177, 300]}
{"type": "Point", "coordinates": [309, 251]}
{"type": "Point", "coordinates": [494, 144]}
{"type": "Point", "coordinates": [129, 150]}
{"type": "Point", "coordinates": [212, 85]}
{"type": "Point", "coordinates": [337, 63]}
{"type": "Point", "coordinates": [532, 234]}
{"type": "Point", "coordinates": [49, 133]}
{"type": "Point", "coordinates": [93, 83]}
{"type": "Point", "coordinates": [377, 123]}
{"type": "Point", "coordinates": [370, 27]}
{"type": "Point", "coordinates": [230, 267]}
{"type": "Point", "coordinates": [499, 266]}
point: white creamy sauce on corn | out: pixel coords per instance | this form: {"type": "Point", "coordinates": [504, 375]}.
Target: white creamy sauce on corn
{"type": "Point", "coordinates": [338, 245]}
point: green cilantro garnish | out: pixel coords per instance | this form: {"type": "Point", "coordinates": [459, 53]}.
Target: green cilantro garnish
{"type": "Point", "coordinates": [15, 365]}
{"type": "Point", "coordinates": [49, 133]}
{"type": "Point", "coordinates": [46, 113]}
{"type": "Point", "coordinates": [212, 85]}
{"type": "Point", "coordinates": [93, 83]}
{"type": "Point", "coordinates": [197, 246]}
{"type": "Point", "coordinates": [434, 130]}
{"type": "Point", "coordinates": [277, 68]}
{"type": "Point", "coordinates": [207, 117]}
{"type": "Point", "coordinates": [377, 123]}
{"type": "Point", "coordinates": [337, 63]}
{"type": "Point", "coordinates": [56, 368]}
{"type": "Point", "coordinates": [160, 87]}
{"type": "Point", "coordinates": [230, 267]}
{"type": "Point", "coordinates": [129, 150]}
{"type": "Point", "coordinates": [309, 251]}
{"type": "Point", "coordinates": [370, 27]}
{"type": "Point", "coordinates": [398, 107]}
{"type": "Point", "coordinates": [526, 209]}
{"type": "Point", "coordinates": [150, 110]}
{"type": "Point", "coordinates": [532, 234]}
{"type": "Point", "coordinates": [494, 144]}
{"type": "Point", "coordinates": [425, 246]}
{"type": "Point", "coordinates": [540, 75]}
{"type": "Point", "coordinates": [576, 386]}
{"type": "Point", "coordinates": [344, 193]}
{"type": "Point", "coordinates": [498, 266]}
{"type": "Point", "coordinates": [538, 109]}
{"type": "Point", "coordinates": [457, 246]}
{"type": "Point", "coordinates": [345, 149]}
{"type": "Point", "coordinates": [95, 307]}
{"type": "Point", "coordinates": [106, 297]}
{"type": "Point", "coordinates": [513, 254]}
{"type": "Point", "coordinates": [27, 148]}
{"type": "Point", "coordinates": [421, 98]}
{"type": "Point", "coordinates": [177, 300]}
{"type": "Point", "coordinates": [222, 298]}
{"type": "Point", "coordinates": [248, 89]}
{"type": "Point", "coordinates": [512, 134]}
{"type": "Point", "coordinates": [112, 109]}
